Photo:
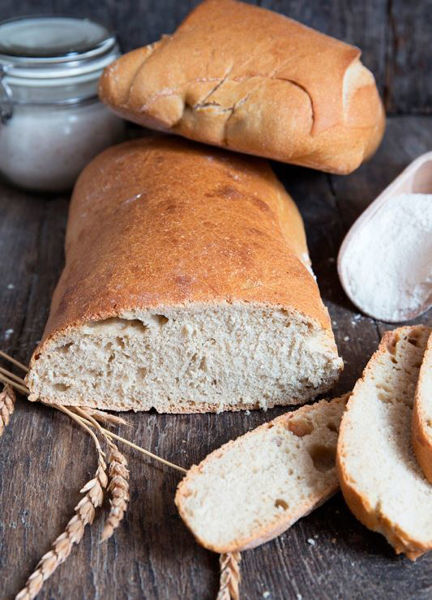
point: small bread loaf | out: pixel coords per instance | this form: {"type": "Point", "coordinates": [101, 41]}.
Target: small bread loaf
{"type": "Point", "coordinates": [422, 414]}
{"type": "Point", "coordinates": [187, 288]}
{"type": "Point", "coordinates": [380, 478]}
{"type": "Point", "coordinates": [254, 488]}
{"type": "Point", "coordinates": [254, 81]}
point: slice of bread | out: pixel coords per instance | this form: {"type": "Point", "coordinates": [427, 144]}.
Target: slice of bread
{"type": "Point", "coordinates": [380, 478]}
{"type": "Point", "coordinates": [252, 489]}
{"type": "Point", "coordinates": [422, 414]}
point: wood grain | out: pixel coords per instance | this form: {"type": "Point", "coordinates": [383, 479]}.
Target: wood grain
{"type": "Point", "coordinates": [46, 459]}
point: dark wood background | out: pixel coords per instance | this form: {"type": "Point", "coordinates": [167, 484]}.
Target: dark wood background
{"type": "Point", "coordinates": [45, 459]}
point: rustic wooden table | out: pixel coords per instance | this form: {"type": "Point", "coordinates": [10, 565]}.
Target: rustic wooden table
{"type": "Point", "coordinates": [45, 459]}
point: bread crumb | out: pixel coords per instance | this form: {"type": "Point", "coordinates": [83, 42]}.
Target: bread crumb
{"type": "Point", "coordinates": [311, 541]}
{"type": "Point", "coordinates": [247, 412]}
{"type": "Point", "coordinates": [10, 286]}
{"type": "Point", "coordinates": [346, 338]}
{"type": "Point", "coordinates": [266, 594]}
{"type": "Point", "coordinates": [7, 334]}
{"type": "Point", "coordinates": [333, 540]}
{"type": "Point", "coordinates": [299, 597]}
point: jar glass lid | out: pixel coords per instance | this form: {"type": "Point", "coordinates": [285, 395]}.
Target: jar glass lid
{"type": "Point", "coordinates": [54, 47]}
{"type": "Point", "coordinates": [51, 37]}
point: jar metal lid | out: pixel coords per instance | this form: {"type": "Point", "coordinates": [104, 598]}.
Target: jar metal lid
{"type": "Point", "coordinates": [54, 48]}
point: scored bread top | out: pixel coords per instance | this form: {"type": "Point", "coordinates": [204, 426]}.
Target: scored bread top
{"type": "Point", "coordinates": [254, 81]}
{"type": "Point", "coordinates": [165, 222]}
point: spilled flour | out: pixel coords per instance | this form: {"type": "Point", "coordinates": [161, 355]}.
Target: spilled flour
{"type": "Point", "coordinates": [386, 267]}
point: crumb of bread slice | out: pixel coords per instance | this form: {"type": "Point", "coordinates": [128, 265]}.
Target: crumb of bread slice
{"type": "Point", "coordinates": [254, 488]}
{"type": "Point", "coordinates": [422, 414]}
{"type": "Point", "coordinates": [380, 478]}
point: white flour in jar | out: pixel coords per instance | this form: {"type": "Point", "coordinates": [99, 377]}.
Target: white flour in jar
{"type": "Point", "coordinates": [387, 266]}
{"type": "Point", "coordinates": [46, 147]}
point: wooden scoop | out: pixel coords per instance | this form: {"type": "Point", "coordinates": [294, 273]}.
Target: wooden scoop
{"type": "Point", "coordinates": [385, 260]}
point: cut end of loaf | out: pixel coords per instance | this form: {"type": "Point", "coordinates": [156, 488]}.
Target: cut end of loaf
{"type": "Point", "coordinates": [254, 488]}
{"type": "Point", "coordinates": [195, 359]}
{"type": "Point", "coordinates": [380, 478]}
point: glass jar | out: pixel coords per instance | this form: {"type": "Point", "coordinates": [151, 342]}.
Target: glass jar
{"type": "Point", "coordinates": [52, 122]}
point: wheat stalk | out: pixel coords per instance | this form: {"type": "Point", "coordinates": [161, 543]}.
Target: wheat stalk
{"type": "Point", "coordinates": [229, 576]}
{"type": "Point", "coordinates": [104, 417]}
{"type": "Point", "coordinates": [84, 515]}
{"type": "Point", "coordinates": [118, 475]}
{"type": "Point", "coordinates": [118, 488]}
{"type": "Point", "coordinates": [7, 405]}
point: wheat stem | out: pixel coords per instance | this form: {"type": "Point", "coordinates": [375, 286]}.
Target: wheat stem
{"type": "Point", "coordinates": [13, 361]}
{"type": "Point", "coordinates": [21, 388]}
{"type": "Point", "coordinates": [16, 378]}
{"type": "Point", "coordinates": [104, 417]}
{"type": "Point", "coordinates": [146, 452]}
{"type": "Point", "coordinates": [229, 576]}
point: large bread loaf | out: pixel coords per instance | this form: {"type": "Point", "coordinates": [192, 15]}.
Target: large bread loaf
{"type": "Point", "coordinates": [251, 80]}
{"type": "Point", "coordinates": [187, 288]}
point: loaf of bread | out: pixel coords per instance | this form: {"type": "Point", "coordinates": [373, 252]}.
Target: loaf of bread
{"type": "Point", "coordinates": [254, 81]}
{"type": "Point", "coordinates": [187, 288]}
{"type": "Point", "coordinates": [422, 414]}
{"type": "Point", "coordinates": [380, 478]}
{"type": "Point", "coordinates": [254, 488]}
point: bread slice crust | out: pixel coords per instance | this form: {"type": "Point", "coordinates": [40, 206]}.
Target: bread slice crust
{"type": "Point", "coordinates": [386, 407]}
{"type": "Point", "coordinates": [422, 414]}
{"type": "Point", "coordinates": [309, 429]}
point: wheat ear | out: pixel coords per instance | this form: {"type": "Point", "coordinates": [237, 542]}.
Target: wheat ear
{"type": "Point", "coordinates": [118, 488]}
{"type": "Point", "coordinates": [84, 515]}
{"type": "Point", "coordinates": [7, 405]}
{"type": "Point", "coordinates": [229, 576]}
{"type": "Point", "coordinates": [118, 477]}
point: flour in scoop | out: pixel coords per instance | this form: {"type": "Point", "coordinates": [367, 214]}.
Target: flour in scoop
{"type": "Point", "coordinates": [387, 265]}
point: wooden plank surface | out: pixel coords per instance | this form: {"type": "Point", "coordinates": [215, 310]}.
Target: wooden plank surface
{"type": "Point", "coordinates": [46, 459]}
{"type": "Point", "coordinates": [394, 35]}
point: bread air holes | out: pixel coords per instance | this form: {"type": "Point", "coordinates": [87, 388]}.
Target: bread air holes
{"type": "Point", "coordinates": [61, 387]}
{"type": "Point", "coordinates": [161, 320]}
{"type": "Point", "coordinates": [323, 457]}
{"type": "Point", "coordinates": [281, 504]}
{"type": "Point", "coordinates": [331, 426]}
{"type": "Point", "coordinates": [63, 349]}
{"type": "Point", "coordinates": [300, 426]}
{"type": "Point", "coordinates": [384, 393]}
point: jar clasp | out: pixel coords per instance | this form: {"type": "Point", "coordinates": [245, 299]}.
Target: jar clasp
{"type": "Point", "coordinates": [5, 98]}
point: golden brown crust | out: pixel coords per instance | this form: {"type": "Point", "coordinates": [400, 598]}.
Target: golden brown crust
{"type": "Point", "coordinates": [251, 80]}
{"type": "Point", "coordinates": [285, 519]}
{"type": "Point", "coordinates": [371, 516]}
{"type": "Point", "coordinates": [164, 222]}
{"type": "Point", "coordinates": [421, 435]}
